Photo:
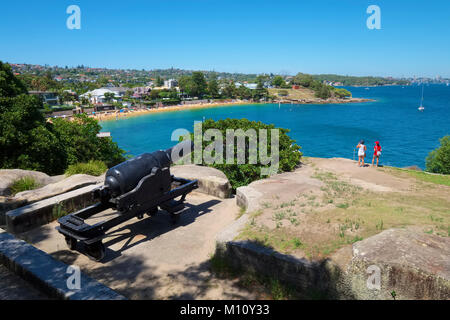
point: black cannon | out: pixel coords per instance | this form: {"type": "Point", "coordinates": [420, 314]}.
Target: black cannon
{"type": "Point", "coordinates": [132, 188]}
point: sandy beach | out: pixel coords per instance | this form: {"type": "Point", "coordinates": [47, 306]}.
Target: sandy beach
{"type": "Point", "coordinates": [116, 115]}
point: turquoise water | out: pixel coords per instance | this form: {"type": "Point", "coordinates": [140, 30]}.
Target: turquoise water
{"type": "Point", "coordinates": [406, 135]}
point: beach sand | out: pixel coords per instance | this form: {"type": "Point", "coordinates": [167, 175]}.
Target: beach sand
{"type": "Point", "coordinates": [116, 115]}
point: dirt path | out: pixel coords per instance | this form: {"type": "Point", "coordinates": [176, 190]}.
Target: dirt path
{"type": "Point", "coordinates": [370, 178]}
{"type": "Point", "coordinates": [329, 204]}
{"type": "Point", "coordinates": [153, 259]}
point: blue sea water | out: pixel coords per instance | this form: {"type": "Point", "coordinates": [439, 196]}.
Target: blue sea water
{"type": "Point", "coordinates": [331, 130]}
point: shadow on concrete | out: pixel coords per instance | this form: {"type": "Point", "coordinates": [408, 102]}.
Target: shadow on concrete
{"type": "Point", "coordinates": [151, 227]}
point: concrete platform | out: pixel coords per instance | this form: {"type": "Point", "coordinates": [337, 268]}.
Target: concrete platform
{"type": "Point", "coordinates": [47, 274]}
{"type": "Point", "coordinates": [154, 259]}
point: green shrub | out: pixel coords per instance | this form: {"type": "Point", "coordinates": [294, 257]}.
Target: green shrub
{"type": "Point", "coordinates": [93, 168]}
{"type": "Point", "coordinates": [438, 161]}
{"type": "Point", "coordinates": [28, 141]}
{"type": "Point", "coordinates": [243, 174]}
{"type": "Point", "coordinates": [24, 184]}
{"type": "Point", "coordinates": [341, 93]}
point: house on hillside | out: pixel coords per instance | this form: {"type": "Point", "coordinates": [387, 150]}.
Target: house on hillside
{"type": "Point", "coordinates": [98, 95]}
{"type": "Point", "coordinates": [171, 83]}
{"type": "Point", "coordinates": [48, 97]}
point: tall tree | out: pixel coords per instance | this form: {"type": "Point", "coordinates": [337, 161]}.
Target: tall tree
{"type": "Point", "coordinates": [213, 87]}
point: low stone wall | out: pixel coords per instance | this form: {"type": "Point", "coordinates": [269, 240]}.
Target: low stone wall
{"type": "Point", "coordinates": [319, 279]}
{"type": "Point", "coordinates": [210, 181]}
{"type": "Point", "coordinates": [412, 265]}
{"type": "Point", "coordinates": [47, 274]}
{"type": "Point", "coordinates": [45, 211]}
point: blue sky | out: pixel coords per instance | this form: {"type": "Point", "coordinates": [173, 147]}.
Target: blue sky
{"type": "Point", "coordinates": [327, 36]}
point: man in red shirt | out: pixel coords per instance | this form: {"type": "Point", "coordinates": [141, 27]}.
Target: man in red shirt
{"type": "Point", "coordinates": [376, 152]}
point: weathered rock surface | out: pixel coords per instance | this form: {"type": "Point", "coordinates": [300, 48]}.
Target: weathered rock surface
{"type": "Point", "coordinates": [285, 186]}
{"type": "Point", "coordinates": [74, 182]}
{"type": "Point", "coordinates": [210, 181]}
{"type": "Point", "coordinates": [9, 176]}
{"type": "Point", "coordinates": [44, 211]}
{"type": "Point", "coordinates": [413, 264]}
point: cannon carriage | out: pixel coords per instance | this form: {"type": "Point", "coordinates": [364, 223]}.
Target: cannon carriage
{"type": "Point", "coordinates": [133, 188]}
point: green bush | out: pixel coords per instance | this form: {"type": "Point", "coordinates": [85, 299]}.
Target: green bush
{"type": "Point", "coordinates": [24, 184]}
{"type": "Point", "coordinates": [438, 161]}
{"type": "Point", "coordinates": [341, 93]}
{"type": "Point", "coordinates": [243, 174]}
{"type": "Point", "coordinates": [93, 168]}
{"type": "Point", "coordinates": [28, 141]}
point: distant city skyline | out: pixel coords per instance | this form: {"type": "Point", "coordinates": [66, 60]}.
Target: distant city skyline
{"type": "Point", "coordinates": [438, 77]}
{"type": "Point", "coordinates": [283, 37]}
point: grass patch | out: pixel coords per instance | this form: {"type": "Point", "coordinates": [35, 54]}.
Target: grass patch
{"type": "Point", "coordinates": [24, 184]}
{"type": "Point", "coordinates": [427, 177]}
{"type": "Point", "coordinates": [93, 168]}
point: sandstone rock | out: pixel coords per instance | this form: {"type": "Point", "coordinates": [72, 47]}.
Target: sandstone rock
{"type": "Point", "coordinates": [248, 198]}
{"type": "Point", "coordinates": [9, 176]}
{"type": "Point", "coordinates": [76, 181]}
{"type": "Point", "coordinates": [413, 264]}
{"type": "Point", "coordinates": [210, 181]}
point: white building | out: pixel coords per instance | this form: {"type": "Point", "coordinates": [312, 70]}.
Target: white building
{"type": "Point", "coordinates": [171, 83]}
{"type": "Point", "coordinates": [98, 95]}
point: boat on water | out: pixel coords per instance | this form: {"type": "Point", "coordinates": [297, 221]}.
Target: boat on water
{"type": "Point", "coordinates": [421, 107]}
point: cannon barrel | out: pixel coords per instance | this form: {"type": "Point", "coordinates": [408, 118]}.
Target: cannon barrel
{"type": "Point", "coordinates": [125, 176]}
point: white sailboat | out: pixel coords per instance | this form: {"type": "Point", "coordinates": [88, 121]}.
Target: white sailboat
{"type": "Point", "coordinates": [421, 108]}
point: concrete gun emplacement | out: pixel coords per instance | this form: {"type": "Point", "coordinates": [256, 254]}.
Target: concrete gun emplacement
{"type": "Point", "coordinates": [132, 188]}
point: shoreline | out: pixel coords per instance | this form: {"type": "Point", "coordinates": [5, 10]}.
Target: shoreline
{"type": "Point", "coordinates": [139, 112]}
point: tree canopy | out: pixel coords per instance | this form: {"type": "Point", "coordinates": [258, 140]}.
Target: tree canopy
{"type": "Point", "coordinates": [28, 141]}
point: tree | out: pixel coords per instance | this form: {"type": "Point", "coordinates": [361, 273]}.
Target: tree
{"type": "Point", "coordinates": [10, 86]}
{"type": "Point", "coordinates": [28, 141]}
{"type": "Point", "coordinates": [109, 96]}
{"type": "Point", "coordinates": [65, 96]}
{"type": "Point", "coordinates": [200, 85]}
{"type": "Point", "coordinates": [243, 174]}
{"type": "Point", "coordinates": [195, 85]}
{"type": "Point", "coordinates": [323, 91]}
{"type": "Point", "coordinates": [438, 161]}
{"type": "Point", "coordinates": [260, 81]}
{"type": "Point", "coordinates": [80, 141]}
{"type": "Point", "coordinates": [159, 82]}
{"type": "Point", "coordinates": [213, 88]}
{"type": "Point", "coordinates": [278, 81]}
{"type": "Point", "coordinates": [342, 93]}
{"type": "Point", "coordinates": [229, 91]}
{"type": "Point", "coordinates": [304, 80]}
{"type": "Point", "coordinates": [244, 93]}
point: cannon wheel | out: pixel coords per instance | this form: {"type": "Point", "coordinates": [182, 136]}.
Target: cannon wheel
{"type": "Point", "coordinates": [175, 218]}
{"type": "Point", "coordinates": [152, 211]}
{"type": "Point", "coordinates": [71, 243]}
{"type": "Point", "coordinates": [96, 251]}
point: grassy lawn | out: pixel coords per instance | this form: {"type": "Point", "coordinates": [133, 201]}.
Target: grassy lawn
{"type": "Point", "coordinates": [423, 176]}
{"type": "Point", "coordinates": [318, 223]}
{"type": "Point", "coordinates": [301, 93]}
